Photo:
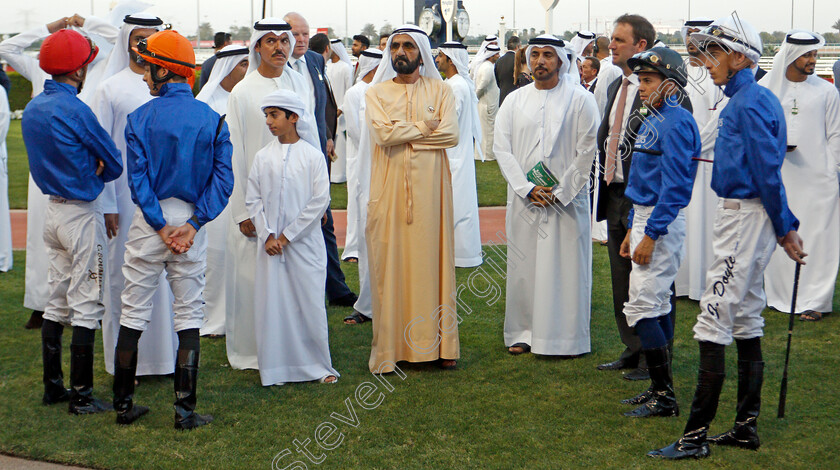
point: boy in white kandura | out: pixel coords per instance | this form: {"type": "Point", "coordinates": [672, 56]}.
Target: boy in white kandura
{"type": "Point", "coordinates": [288, 193]}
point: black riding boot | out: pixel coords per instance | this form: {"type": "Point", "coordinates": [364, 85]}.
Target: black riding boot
{"type": "Point", "coordinates": [663, 401]}
{"type": "Point", "coordinates": [703, 409]}
{"type": "Point", "coordinates": [54, 391]}
{"type": "Point", "coordinates": [125, 370]}
{"type": "Point", "coordinates": [81, 382]}
{"type": "Point", "coordinates": [186, 375]}
{"type": "Point", "coordinates": [745, 432]}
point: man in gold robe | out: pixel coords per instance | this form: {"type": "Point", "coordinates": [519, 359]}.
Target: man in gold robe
{"type": "Point", "coordinates": [411, 120]}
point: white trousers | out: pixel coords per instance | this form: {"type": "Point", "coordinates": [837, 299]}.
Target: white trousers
{"type": "Point", "coordinates": [74, 234]}
{"type": "Point", "coordinates": [732, 303]}
{"type": "Point", "coordinates": [650, 284]}
{"type": "Point", "coordinates": [146, 256]}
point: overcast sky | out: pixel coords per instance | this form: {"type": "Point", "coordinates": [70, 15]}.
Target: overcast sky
{"type": "Point", "coordinates": [765, 15]}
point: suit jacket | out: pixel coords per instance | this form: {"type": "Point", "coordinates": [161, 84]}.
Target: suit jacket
{"type": "Point", "coordinates": [630, 134]}
{"type": "Point", "coordinates": [331, 113]}
{"type": "Point", "coordinates": [315, 64]}
{"type": "Point", "coordinates": [504, 75]}
{"type": "Point", "coordinates": [591, 88]}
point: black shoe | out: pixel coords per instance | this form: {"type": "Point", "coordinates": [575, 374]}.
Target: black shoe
{"type": "Point", "coordinates": [125, 368]}
{"type": "Point", "coordinates": [54, 391]}
{"type": "Point", "coordinates": [663, 401]}
{"type": "Point", "coordinates": [35, 320]}
{"type": "Point", "coordinates": [637, 374]}
{"type": "Point", "coordinates": [639, 399]}
{"type": "Point", "coordinates": [745, 432]}
{"type": "Point", "coordinates": [743, 435]}
{"type": "Point", "coordinates": [348, 300]}
{"type": "Point", "coordinates": [186, 376]}
{"type": "Point", "coordinates": [692, 445]}
{"type": "Point", "coordinates": [615, 365]}
{"type": "Point", "coordinates": [82, 401]}
{"type": "Point", "coordinates": [662, 404]}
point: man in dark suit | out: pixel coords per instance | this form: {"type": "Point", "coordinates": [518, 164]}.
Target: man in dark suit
{"type": "Point", "coordinates": [504, 69]}
{"type": "Point", "coordinates": [310, 64]}
{"type": "Point", "coordinates": [320, 43]}
{"type": "Point", "coordinates": [589, 68]}
{"type": "Point", "coordinates": [616, 136]}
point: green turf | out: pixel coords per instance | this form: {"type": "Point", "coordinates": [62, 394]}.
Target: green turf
{"type": "Point", "coordinates": [495, 411]}
{"type": "Point", "coordinates": [492, 188]}
{"type": "Point", "coordinates": [21, 91]}
{"type": "Point", "coordinates": [18, 167]}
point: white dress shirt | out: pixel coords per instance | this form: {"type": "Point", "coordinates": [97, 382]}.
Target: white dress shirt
{"type": "Point", "coordinates": [632, 89]}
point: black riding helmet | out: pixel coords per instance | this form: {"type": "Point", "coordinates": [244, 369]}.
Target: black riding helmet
{"type": "Point", "coordinates": [662, 60]}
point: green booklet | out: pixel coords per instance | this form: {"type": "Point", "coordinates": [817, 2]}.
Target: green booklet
{"type": "Point", "coordinates": [541, 176]}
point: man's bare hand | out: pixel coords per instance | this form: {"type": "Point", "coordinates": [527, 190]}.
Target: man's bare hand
{"type": "Point", "coordinates": [181, 239]}
{"type": "Point", "coordinates": [112, 226]}
{"type": "Point", "coordinates": [58, 24]}
{"type": "Point", "coordinates": [541, 196]}
{"type": "Point", "coordinates": [644, 251]}
{"type": "Point", "coordinates": [76, 20]}
{"type": "Point", "coordinates": [273, 246]}
{"type": "Point", "coordinates": [331, 150]}
{"type": "Point", "coordinates": [624, 251]}
{"type": "Point", "coordinates": [165, 234]}
{"type": "Point", "coordinates": [324, 220]}
{"type": "Point", "coordinates": [100, 167]}
{"type": "Point", "coordinates": [793, 246]}
{"type": "Point", "coordinates": [433, 125]}
{"type": "Point", "coordinates": [247, 228]}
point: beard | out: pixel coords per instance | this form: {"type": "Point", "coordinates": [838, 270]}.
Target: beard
{"type": "Point", "coordinates": [403, 66]}
{"type": "Point", "coordinates": [807, 70]}
{"type": "Point", "coordinates": [136, 58]}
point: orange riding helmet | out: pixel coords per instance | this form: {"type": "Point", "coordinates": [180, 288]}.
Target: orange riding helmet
{"type": "Point", "coordinates": [169, 50]}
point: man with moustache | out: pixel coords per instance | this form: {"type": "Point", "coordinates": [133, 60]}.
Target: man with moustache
{"type": "Point", "coordinates": [812, 114]}
{"type": "Point", "coordinates": [271, 46]}
{"type": "Point", "coordinates": [410, 235]}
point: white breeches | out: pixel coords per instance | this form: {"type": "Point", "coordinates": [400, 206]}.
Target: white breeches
{"type": "Point", "coordinates": [732, 303]}
{"type": "Point", "coordinates": [146, 256]}
{"type": "Point", "coordinates": [74, 234]}
{"type": "Point", "coordinates": [650, 284]}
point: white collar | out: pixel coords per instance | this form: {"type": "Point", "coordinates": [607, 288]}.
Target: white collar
{"type": "Point", "coordinates": [633, 78]}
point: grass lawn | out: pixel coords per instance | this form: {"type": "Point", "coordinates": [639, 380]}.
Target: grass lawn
{"type": "Point", "coordinates": [18, 166]}
{"type": "Point", "coordinates": [492, 187]}
{"type": "Point", "coordinates": [495, 411]}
